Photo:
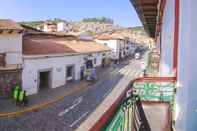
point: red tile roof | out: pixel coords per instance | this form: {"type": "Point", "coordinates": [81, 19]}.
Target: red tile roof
{"type": "Point", "coordinates": [42, 45]}
{"type": "Point", "coordinates": [84, 46]}
{"type": "Point", "coordinates": [6, 24]}
{"type": "Point", "coordinates": [109, 37]}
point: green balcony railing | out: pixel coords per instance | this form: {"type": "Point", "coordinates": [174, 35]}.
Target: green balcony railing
{"type": "Point", "coordinates": [155, 91]}
{"type": "Point", "coordinates": [130, 115]}
{"type": "Point", "coordinates": [122, 120]}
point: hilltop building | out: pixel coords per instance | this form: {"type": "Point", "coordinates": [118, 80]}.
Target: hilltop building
{"type": "Point", "coordinates": [50, 26]}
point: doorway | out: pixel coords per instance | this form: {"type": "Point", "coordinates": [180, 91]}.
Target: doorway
{"type": "Point", "coordinates": [89, 64]}
{"type": "Point", "coordinates": [44, 80]}
{"type": "Point", "coordinates": [70, 73]}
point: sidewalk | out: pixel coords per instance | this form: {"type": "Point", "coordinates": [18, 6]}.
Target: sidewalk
{"type": "Point", "coordinates": [50, 96]}
{"type": "Point", "coordinates": [8, 105]}
{"type": "Point", "coordinates": [45, 96]}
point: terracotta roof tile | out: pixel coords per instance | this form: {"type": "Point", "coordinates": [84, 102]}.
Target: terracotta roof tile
{"type": "Point", "coordinates": [85, 46]}
{"type": "Point", "coordinates": [43, 46]}
{"type": "Point", "coordinates": [109, 36]}
{"type": "Point", "coordinates": [6, 24]}
{"type": "Point", "coordinates": [39, 45]}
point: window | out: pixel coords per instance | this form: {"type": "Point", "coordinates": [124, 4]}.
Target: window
{"type": "Point", "coordinates": [95, 61]}
{"type": "Point", "coordinates": [69, 71]}
{"type": "Point", "coordinates": [2, 60]}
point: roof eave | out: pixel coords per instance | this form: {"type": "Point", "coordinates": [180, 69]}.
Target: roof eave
{"type": "Point", "coordinates": [147, 12]}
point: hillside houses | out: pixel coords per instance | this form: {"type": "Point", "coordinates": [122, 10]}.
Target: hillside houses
{"type": "Point", "coordinates": [43, 60]}
{"type": "Point", "coordinates": [50, 26]}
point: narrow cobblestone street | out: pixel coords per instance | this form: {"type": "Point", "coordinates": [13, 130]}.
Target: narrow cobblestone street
{"type": "Point", "coordinates": [68, 114]}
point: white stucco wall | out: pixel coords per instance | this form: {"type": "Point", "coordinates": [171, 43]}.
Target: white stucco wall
{"type": "Point", "coordinates": [11, 44]}
{"type": "Point", "coordinates": [60, 26]}
{"type": "Point", "coordinates": [56, 64]}
{"type": "Point", "coordinates": [98, 56]}
{"type": "Point", "coordinates": [114, 45]}
{"type": "Point", "coordinates": [186, 98]}
{"type": "Point", "coordinates": [45, 28]}
{"type": "Point", "coordinates": [167, 39]}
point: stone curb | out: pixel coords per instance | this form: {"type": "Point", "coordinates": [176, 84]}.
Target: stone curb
{"type": "Point", "coordinates": [45, 104]}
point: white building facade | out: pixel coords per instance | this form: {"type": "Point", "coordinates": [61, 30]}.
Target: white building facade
{"type": "Point", "coordinates": [12, 48]}
{"type": "Point", "coordinates": [64, 27]}
{"type": "Point", "coordinates": [55, 65]}
{"type": "Point", "coordinates": [51, 61]}
{"type": "Point", "coordinates": [118, 47]}
{"type": "Point", "coordinates": [10, 56]}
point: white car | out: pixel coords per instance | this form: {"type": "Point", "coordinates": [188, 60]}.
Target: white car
{"type": "Point", "coordinates": [137, 56]}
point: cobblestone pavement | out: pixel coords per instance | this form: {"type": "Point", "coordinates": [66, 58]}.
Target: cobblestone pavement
{"type": "Point", "coordinates": [67, 115]}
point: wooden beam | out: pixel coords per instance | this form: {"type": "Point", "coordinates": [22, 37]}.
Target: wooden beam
{"type": "Point", "coordinates": [149, 10]}
{"type": "Point", "coordinates": [149, 4]}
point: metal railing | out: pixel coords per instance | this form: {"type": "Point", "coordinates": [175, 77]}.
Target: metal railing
{"type": "Point", "coordinates": [140, 122]}
{"type": "Point", "coordinates": [129, 115]}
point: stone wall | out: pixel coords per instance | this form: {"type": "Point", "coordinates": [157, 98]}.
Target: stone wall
{"type": "Point", "coordinates": [8, 80]}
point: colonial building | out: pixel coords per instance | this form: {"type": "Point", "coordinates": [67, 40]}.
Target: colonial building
{"type": "Point", "coordinates": [10, 56]}
{"type": "Point", "coordinates": [37, 60]}
{"type": "Point", "coordinates": [117, 44]}
{"type": "Point", "coordinates": [50, 61]}
{"type": "Point", "coordinates": [51, 26]}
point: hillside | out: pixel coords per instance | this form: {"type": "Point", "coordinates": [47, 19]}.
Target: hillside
{"type": "Point", "coordinates": [93, 25]}
{"type": "Point", "coordinates": [135, 34]}
{"type": "Point", "coordinates": [102, 25]}
{"type": "Point", "coordinates": [33, 24]}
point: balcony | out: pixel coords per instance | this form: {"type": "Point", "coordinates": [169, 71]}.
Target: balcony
{"type": "Point", "coordinates": [147, 105]}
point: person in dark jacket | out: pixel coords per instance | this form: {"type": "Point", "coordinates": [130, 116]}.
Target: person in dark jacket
{"type": "Point", "coordinates": [23, 98]}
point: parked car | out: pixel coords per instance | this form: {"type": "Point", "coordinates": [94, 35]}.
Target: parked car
{"type": "Point", "coordinates": [137, 56]}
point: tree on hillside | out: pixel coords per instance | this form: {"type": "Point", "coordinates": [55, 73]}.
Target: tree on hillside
{"type": "Point", "coordinates": [98, 19]}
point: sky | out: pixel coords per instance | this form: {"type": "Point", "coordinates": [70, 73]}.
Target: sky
{"type": "Point", "coordinates": [121, 11]}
